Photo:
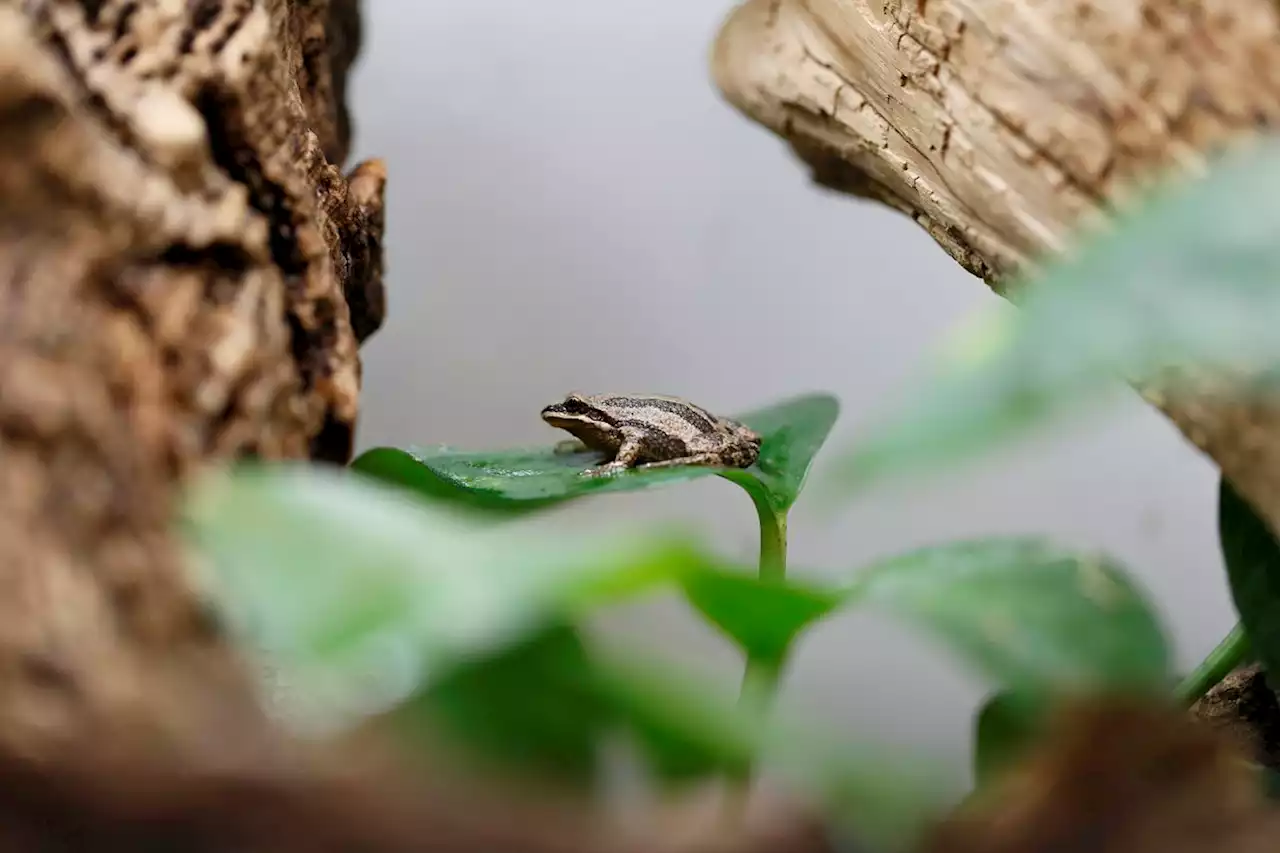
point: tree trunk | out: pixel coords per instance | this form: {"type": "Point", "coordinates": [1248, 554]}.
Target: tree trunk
{"type": "Point", "coordinates": [184, 278]}
{"type": "Point", "coordinates": [1003, 126]}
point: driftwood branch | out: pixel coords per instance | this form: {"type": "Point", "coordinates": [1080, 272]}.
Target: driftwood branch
{"type": "Point", "coordinates": [1003, 126]}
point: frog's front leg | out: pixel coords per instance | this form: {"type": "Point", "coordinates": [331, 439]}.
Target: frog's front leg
{"type": "Point", "coordinates": [628, 452]}
{"type": "Point", "coordinates": [570, 445]}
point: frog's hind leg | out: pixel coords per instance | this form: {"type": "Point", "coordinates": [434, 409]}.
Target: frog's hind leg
{"type": "Point", "coordinates": [743, 456]}
{"type": "Point", "coordinates": [694, 459]}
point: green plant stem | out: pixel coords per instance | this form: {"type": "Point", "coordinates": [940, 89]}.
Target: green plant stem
{"type": "Point", "coordinates": [773, 543]}
{"type": "Point", "coordinates": [760, 681]}
{"type": "Point", "coordinates": [1226, 656]}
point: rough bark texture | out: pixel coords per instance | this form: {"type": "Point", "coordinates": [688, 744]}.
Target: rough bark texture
{"type": "Point", "coordinates": [184, 278]}
{"type": "Point", "coordinates": [112, 804]}
{"type": "Point", "coordinates": [1245, 708]}
{"type": "Point", "coordinates": [1117, 776]}
{"type": "Point", "coordinates": [1003, 126]}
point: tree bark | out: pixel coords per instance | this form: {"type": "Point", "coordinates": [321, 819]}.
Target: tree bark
{"type": "Point", "coordinates": [184, 278]}
{"type": "Point", "coordinates": [1003, 127]}
{"type": "Point", "coordinates": [1246, 710]}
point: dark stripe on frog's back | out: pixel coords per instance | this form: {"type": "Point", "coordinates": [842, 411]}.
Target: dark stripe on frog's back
{"type": "Point", "coordinates": [669, 446]}
{"type": "Point", "coordinates": [696, 416]}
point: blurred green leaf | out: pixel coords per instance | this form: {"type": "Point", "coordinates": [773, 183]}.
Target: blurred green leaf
{"type": "Point", "coordinates": [1191, 277]}
{"type": "Point", "coordinates": [543, 706]}
{"type": "Point", "coordinates": [533, 706]}
{"type": "Point", "coordinates": [375, 605]}
{"type": "Point", "coordinates": [1252, 557]}
{"type": "Point", "coordinates": [337, 577]}
{"type": "Point", "coordinates": [683, 736]}
{"type": "Point", "coordinates": [358, 592]}
{"type": "Point", "coordinates": [761, 616]}
{"type": "Point", "coordinates": [1030, 616]}
{"type": "Point", "coordinates": [533, 478]}
{"type": "Point", "coordinates": [1006, 725]}
{"type": "Point", "coordinates": [1270, 779]}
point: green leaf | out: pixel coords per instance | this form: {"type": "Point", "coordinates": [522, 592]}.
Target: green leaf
{"type": "Point", "coordinates": [372, 604]}
{"type": "Point", "coordinates": [761, 616]}
{"type": "Point", "coordinates": [533, 478]}
{"type": "Point", "coordinates": [367, 599]}
{"type": "Point", "coordinates": [1036, 619]}
{"type": "Point", "coordinates": [358, 592]}
{"type": "Point", "coordinates": [1189, 278]}
{"type": "Point", "coordinates": [533, 706]}
{"type": "Point", "coordinates": [1028, 615]}
{"type": "Point", "coordinates": [1270, 780]}
{"type": "Point", "coordinates": [685, 737]}
{"type": "Point", "coordinates": [1006, 725]}
{"type": "Point", "coordinates": [885, 796]}
{"type": "Point", "coordinates": [1252, 557]}
{"type": "Point", "coordinates": [794, 432]}
{"type": "Point", "coordinates": [542, 706]}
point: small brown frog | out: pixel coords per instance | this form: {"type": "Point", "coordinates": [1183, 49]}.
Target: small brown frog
{"type": "Point", "coordinates": [650, 431]}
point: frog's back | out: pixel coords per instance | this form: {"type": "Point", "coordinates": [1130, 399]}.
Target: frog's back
{"type": "Point", "coordinates": [657, 408]}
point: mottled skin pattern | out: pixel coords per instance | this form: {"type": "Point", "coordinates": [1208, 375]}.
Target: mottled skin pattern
{"type": "Point", "coordinates": [651, 431]}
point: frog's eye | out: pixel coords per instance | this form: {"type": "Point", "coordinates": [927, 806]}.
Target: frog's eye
{"type": "Point", "coordinates": [574, 406]}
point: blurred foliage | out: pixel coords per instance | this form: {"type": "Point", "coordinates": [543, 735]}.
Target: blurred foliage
{"type": "Point", "coordinates": [1186, 278]}
{"type": "Point", "coordinates": [1252, 557]}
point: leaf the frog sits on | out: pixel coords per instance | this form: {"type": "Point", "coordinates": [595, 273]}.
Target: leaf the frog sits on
{"type": "Point", "coordinates": [650, 431]}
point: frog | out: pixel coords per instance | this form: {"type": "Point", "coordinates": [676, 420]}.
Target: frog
{"type": "Point", "coordinates": [650, 431]}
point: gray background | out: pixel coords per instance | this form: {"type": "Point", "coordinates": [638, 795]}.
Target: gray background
{"type": "Point", "coordinates": [573, 207]}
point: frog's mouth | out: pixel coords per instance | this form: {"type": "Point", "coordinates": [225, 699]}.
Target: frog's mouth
{"type": "Point", "coordinates": [591, 428]}
{"type": "Point", "coordinates": [561, 419]}
{"type": "Point", "coordinates": [556, 411]}
{"type": "Point", "coordinates": [573, 411]}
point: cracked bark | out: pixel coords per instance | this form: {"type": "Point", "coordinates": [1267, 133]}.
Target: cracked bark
{"type": "Point", "coordinates": [1002, 127]}
{"type": "Point", "coordinates": [1244, 708]}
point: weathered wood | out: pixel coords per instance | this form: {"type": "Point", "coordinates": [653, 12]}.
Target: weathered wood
{"type": "Point", "coordinates": [1003, 126]}
{"type": "Point", "coordinates": [127, 803]}
{"type": "Point", "coordinates": [1245, 708]}
{"type": "Point", "coordinates": [1113, 775]}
